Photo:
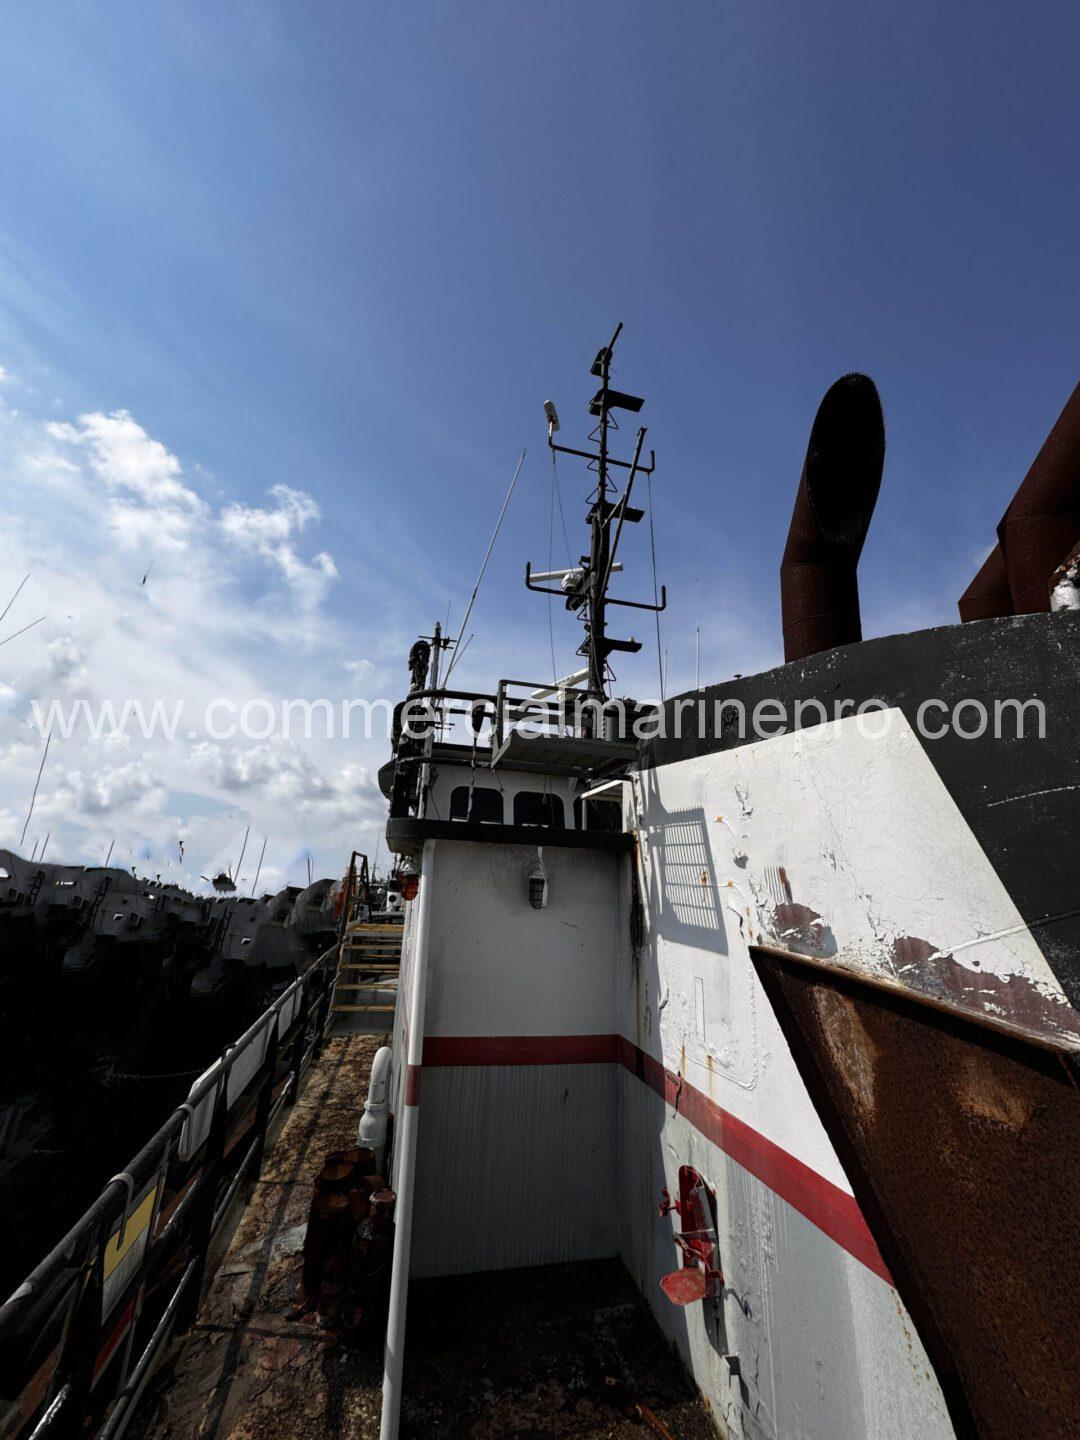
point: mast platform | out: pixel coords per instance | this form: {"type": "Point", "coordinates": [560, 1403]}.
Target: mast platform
{"type": "Point", "coordinates": [562, 754]}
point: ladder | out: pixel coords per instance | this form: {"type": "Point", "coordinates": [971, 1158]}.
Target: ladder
{"type": "Point", "coordinates": [364, 995]}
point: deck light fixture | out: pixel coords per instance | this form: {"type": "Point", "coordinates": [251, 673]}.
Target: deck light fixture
{"type": "Point", "coordinates": [538, 882]}
{"type": "Point", "coordinates": [410, 881]}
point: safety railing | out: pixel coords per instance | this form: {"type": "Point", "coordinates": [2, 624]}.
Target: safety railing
{"type": "Point", "coordinates": [545, 708]}
{"type": "Point", "coordinates": [442, 715]}
{"type": "Point", "coordinates": [79, 1339]}
{"type": "Point", "coordinates": [355, 892]}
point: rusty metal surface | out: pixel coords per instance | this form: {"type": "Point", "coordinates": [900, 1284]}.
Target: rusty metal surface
{"type": "Point", "coordinates": [532, 1354]}
{"type": "Point", "coordinates": [960, 1143]}
{"type": "Point", "coordinates": [988, 595]}
{"type": "Point", "coordinates": [1042, 522]}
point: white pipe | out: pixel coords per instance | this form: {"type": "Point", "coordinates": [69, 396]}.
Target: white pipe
{"type": "Point", "coordinates": [394, 1355]}
{"type": "Point", "coordinates": [371, 1132]}
{"type": "Point", "coordinates": [601, 789]}
{"type": "Point", "coordinates": [564, 684]}
{"type": "Point", "coordinates": [571, 572]}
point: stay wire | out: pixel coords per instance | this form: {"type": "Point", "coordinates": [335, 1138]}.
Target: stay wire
{"type": "Point", "coordinates": [26, 577]}
{"type": "Point", "coordinates": [16, 633]}
{"type": "Point", "coordinates": [483, 567]}
{"type": "Point", "coordinates": [562, 515]}
{"type": "Point", "coordinates": [655, 592]}
{"type": "Point", "coordinates": [550, 566]}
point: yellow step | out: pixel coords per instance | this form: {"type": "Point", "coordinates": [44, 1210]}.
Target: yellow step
{"type": "Point", "coordinates": [363, 1009]}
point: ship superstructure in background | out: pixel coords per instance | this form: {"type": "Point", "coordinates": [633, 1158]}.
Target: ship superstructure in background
{"type": "Point", "coordinates": [732, 1007]}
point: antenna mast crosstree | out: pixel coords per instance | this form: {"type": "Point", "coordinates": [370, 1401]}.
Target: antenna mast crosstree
{"type": "Point", "coordinates": [585, 588]}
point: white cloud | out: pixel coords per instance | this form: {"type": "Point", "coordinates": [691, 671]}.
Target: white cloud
{"type": "Point", "coordinates": [131, 787]}
{"type": "Point", "coordinates": [149, 530]}
{"type": "Point", "coordinates": [126, 458]}
{"type": "Point", "coordinates": [67, 663]}
{"type": "Point", "coordinates": [270, 533]}
{"type": "Point", "coordinates": [264, 529]}
{"type": "Point", "coordinates": [85, 507]}
{"type": "Point", "coordinates": [282, 769]}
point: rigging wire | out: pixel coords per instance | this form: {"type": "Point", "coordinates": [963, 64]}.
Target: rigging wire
{"type": "Point", "coordinates": [551, 566]}
{"type": "Point", "coordinates": [258, 871]}
{"type": "Point", "coordinates": [243, 847]}
{"type": "Point", "coordinates": [14, 597]}
{"type": "Point", "coordinates": [37, 782]}
{"type": "Point", "coordinates": [562, 515]}
{"type": "Point", "coordinates": [483, 567]}
{"type": "Point", "coordinates": [655, 593]}
{"type": "Point", "coordinates": [464, 647]}
{"type": "Point", "coordinates": [16, 633]}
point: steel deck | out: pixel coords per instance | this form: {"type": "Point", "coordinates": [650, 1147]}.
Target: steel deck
{"type": "Point", "coordinates": [561, 1351]}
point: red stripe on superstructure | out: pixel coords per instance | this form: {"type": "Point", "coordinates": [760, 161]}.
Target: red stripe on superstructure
{"type": "Point", "coordinates": [832, 1210]}
{"type": "Point", "coordinates": [824, 1204]}
{"type": "Point", "coordinates": [520, 1049]}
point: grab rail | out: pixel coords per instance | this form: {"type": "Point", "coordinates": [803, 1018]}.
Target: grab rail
{"type": "Point", "coordinates": [80, 1336]}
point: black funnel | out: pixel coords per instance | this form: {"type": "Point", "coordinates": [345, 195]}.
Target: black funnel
{"type": "Point", "coordinates": [819, 590]}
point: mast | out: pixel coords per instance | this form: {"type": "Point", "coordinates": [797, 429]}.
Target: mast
{"type": "Point", "coordinates": [585, 588]}
{"type": "Point", "coordinates": [600, 547]}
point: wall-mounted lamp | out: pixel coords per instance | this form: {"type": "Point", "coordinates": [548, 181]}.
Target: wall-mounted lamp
{"type": "Point", "coordinates": [538, 883]}
{"type": "Point", "coordinates": [410, 881]}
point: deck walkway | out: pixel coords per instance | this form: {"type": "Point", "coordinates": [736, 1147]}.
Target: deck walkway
{"type": "Point", "coordinates": [245, 1372]}
{"type": "Point", "coordinates": [521, 1356]}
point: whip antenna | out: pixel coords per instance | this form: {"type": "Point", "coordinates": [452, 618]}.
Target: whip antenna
{"type": "Point", "coordinates": [483, 567]}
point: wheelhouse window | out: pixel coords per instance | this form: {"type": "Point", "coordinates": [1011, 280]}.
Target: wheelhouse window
{"type": "Point", "coordinates": [533, 808]}
{"type": "Point", "coordinates": [601, 814]}
{"type": "Point", "coordinates": [487, 805]}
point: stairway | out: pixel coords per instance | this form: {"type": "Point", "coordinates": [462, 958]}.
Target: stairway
{"type": "Point", "coordinates": [366, 984]}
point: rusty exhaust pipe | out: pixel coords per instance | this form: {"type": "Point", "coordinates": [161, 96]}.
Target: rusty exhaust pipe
{"type": "Point", "coordinates": [1042, 523]}
{"type": "Point", "coordinates": [988, 595]}
{"type": "Point", "coordinates": [819, 587]}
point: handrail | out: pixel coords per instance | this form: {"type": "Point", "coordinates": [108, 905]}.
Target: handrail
{"type": "Point", "coordinates": [570, 710]}
{"type": "Point", "coordinates": [80, 1336]}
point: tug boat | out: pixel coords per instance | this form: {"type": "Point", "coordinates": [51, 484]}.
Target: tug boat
{"type": "Point", "coordinates": [759, 1001]}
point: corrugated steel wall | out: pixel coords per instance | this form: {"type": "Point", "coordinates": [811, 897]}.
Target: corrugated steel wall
{"type": "Point", "coordinates": [516, 1166]}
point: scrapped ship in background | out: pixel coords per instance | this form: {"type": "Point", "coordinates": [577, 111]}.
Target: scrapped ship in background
{"type": "Point", "coordinates": [787, 1024]}
{"type": "Point", "coordinates": [116, 990]}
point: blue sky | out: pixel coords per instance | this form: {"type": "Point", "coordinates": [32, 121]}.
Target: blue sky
{"type": "Point", "coordinates": [349, 249]}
